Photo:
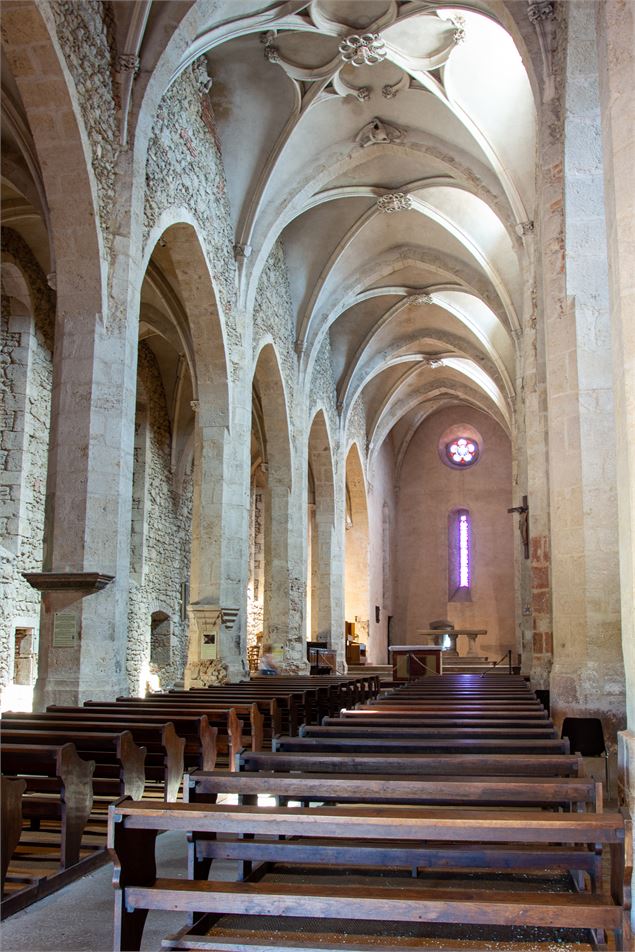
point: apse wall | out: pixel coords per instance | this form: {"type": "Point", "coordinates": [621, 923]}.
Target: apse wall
{"type": "Point", "coordinates": [428, 491]}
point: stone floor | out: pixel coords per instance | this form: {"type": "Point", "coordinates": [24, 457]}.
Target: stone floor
{"type": "Point", "coordinates": [79, 917]}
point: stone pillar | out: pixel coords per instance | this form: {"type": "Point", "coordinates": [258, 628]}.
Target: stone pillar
{"type": "Point", "coordinates": [531, 478]}
{"type": "Point", "coordinates": [338, 638]}
{"type": "Point", "coordinates": [217, 594]}
{"type": "Point", "coordinates": [587, 676]}
{"type": "Point", "coordinates": [88, 496]}
{"type": "Point", "coordinates": [616, 42]}
{"type": "Point", "coordinates": [277, 568]}
{"type": "Point", "coordinates": [256, 565]}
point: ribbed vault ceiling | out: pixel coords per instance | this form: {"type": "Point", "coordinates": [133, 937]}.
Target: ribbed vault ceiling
{"type": "Point", "coordinates": [390, 146]}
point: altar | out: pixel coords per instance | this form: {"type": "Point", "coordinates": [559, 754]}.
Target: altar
{"type": "Point", "coordinates": [437, 637]}
{"type": "Point", "coordinates": [410, 662]}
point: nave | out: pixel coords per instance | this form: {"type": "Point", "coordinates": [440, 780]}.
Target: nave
{"type": "Point", "coordinates": [316, 334]}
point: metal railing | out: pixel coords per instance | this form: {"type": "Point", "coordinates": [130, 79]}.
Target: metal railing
{"type": "Point", "coordinates": [508, 655]}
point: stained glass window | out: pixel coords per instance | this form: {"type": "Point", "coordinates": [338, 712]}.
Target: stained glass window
{"type": "Point", "coordinates": [462, 452]}
{"type": "Point", "coordinates": [460, 568]}
{"type": "Point", "coordinates": [464, 550]}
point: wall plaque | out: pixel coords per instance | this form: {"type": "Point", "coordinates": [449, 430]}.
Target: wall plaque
{"type": "Point", "coordinates": [64, 630]}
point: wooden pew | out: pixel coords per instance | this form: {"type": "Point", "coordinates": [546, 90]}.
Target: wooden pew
{"type": "Point", "coordinates": [545, 792]}
{"type": "Point", "coordinates": [476, 729]}
{"type": "Point", "coordinates": [571, 793]}
{"type": "Point", "coordinates": [295, 707]}
{"type": "Point", "coordinates": [396, 723]}
{"type": "Point", "coordinates": [228, 726]}
{"type": "Point", "coordinates": [390, 835]}
{"type": "Point", "coordinates": [399, 744]}
{"type": "Point", "coordinates": [501, 765]}
{"type": "Point", "coordinates": [58, 785]}
{"type": "Point", "coordinates": [447, 711]}
{"type": "Point", "coordinates": [199, 735]}
{"type": "Point", "coordinates": [11, 790]}
{"type": "Point", "coordinates": [164, 761]}
{"type": "Point", "coordinates": [119, 762]}
{"type": "Point", "coordinates": [274, 712]}
{"type": "Point", "coordinates": [428, 719]}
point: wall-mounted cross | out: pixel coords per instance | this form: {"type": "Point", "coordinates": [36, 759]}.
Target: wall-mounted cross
{"type": "Point", "coordinates": [523, 523]}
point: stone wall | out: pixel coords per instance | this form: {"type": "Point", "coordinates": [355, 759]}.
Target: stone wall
{"type": "Point", "coordinates": [356, 424]}
{"type": "Point", "coordinates": [273, 315]}
{"type": "Point", "coordinates": [185, 170]}
{"type": "Point", "coordinates": [85, 33]}
{"type": "Point", "coordinates": [428, 491]}
{"type": "Point", "coordinates": [322, 390]}
{"type": "Point", "coordinates": [165, 536]}
{"type": "Point", "coordinates": [26, 369]}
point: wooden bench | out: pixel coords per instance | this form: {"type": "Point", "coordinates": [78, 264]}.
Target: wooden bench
{"type": "Point", "coordinates": [572, 793]}
{"type": "Point", "coordinates": [434, 712]}
{"type": "Point", "coordinates": [11, 790]}
{"type": "Point", "coordinates": [385, 834]}
{"type": "Point", "coordinates": [295, 706]}
{"type": "Point", "coordinates": [58, 785]}
{"type": "Point", "coordinates": [273, 713]}
{"type": "Point", "coordinates": [457, 743]}
{"type": "Point", "coordinates": [502, 765]}
{"type": "Point", "coordinates": [199, 735]}
{"type": "Point", "coordinates": [164, 762]}
{"type": "Point", "coordinates": [118, 762]}
{"type": "Point", "coordinates": [350, 729]}
{"type": "Point", "coordinates": [396, 722]}
{"type": "Point", "coordinates": [230, 728]}
{"type": "Point", "coordinates": [547, 793]}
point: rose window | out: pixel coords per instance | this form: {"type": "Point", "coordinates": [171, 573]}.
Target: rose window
{"type": "Point", "coordinates": [462, 452]}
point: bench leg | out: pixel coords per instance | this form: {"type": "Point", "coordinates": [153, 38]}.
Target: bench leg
{"type": "Point", "coordinates": [197, 867]}
{"type": "Point", "coordinates": [133, 854]}
{"type": "Point", "coordinates": [128, 925]}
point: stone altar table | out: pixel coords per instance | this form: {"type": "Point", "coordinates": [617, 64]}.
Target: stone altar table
{"type": "Point", "coordinates": [438, 634]}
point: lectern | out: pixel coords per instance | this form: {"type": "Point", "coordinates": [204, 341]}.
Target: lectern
{"type": "Point", "coordinates": [410, 662]}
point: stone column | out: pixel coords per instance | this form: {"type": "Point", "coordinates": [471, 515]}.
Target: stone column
{"type": "Point", "coordinates": [277, 568]}
{"type": "Point", "coordinates": [88, 495]}
{"type": "Point", "coordinates": [616, 42]}
{"type": "Point", "coordinates": [587, 676]}
{"type": "Point", "coordinates": [218, 582]}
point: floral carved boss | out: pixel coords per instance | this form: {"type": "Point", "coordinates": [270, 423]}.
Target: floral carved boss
{"type": "Point", "coordinates": [352, 57]}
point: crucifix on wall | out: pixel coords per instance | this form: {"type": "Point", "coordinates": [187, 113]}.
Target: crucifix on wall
{"type": "Point", "coordinates": [523, 523]}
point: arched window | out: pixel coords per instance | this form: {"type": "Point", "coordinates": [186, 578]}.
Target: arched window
{"type": "Point", "coordinates": [460, 568]}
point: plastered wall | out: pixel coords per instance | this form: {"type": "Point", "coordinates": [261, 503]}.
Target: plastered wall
{"type": "Point", "coordinates": [428, 491]}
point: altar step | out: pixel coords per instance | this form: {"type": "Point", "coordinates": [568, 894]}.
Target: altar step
{"type": "Point", "coordinates": [455, 664]}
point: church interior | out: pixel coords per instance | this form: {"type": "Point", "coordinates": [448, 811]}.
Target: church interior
{"type": "Point", "coordinates": [317, 388]}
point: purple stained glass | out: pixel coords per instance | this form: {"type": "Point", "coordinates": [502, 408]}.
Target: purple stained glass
{"type": "Point", "coordinates": [464, 550]}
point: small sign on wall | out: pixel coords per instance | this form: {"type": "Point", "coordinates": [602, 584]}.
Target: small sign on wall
{"type": "Point", "coordinates": [208, 646]}
{"type": "Point", "coordinates": [64, 630]}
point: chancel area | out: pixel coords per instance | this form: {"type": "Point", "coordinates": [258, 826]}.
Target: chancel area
{"type": "Point", "coordinates": [317, 473]}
